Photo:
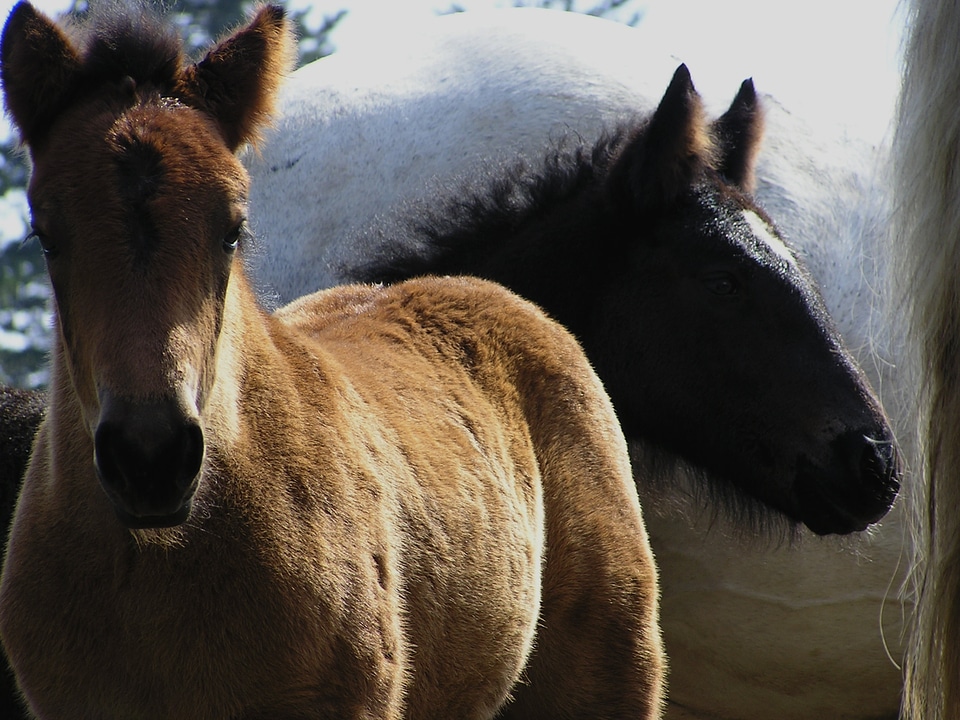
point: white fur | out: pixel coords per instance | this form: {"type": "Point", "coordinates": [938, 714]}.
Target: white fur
{"type": "Point", "coordinates": [752, 631]}
{"type": "Point", "coordinates": [927, 154]}
{"type": "Point", "coordinates": [765, 234]}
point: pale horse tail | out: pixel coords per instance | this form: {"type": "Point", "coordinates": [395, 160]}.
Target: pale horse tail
{"type": "Point", "coordinates": [927, 248]}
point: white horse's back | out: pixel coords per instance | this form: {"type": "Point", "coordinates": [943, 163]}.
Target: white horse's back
{"type": "Point", "coordinates": [364, 131]}
{"type": "Point", "coordinates": [752, 631]}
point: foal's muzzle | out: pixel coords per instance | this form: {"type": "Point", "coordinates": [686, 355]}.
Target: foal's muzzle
{"type": "Point", "coordinates": [148, 457]}
{"type": "Point", "coordinates": [858, 490]}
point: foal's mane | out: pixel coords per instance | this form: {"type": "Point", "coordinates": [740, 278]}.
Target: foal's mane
{"type": "Point", "coordinates": [128, 40]}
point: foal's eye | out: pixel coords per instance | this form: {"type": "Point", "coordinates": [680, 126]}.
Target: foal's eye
{"type": "Point", "coordinates": [232, 239]}
{"type": "Point", "coordinates": [722, 283]}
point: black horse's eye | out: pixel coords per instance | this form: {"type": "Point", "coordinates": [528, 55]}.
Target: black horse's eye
{"type": "Point", "coordinates": [722, 283]}
{"type": "Point", "coordinates": [47, 245]}
{"type": "Point", "coordinates": [232, 239]}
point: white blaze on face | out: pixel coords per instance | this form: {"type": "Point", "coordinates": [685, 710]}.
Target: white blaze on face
{"type": "Point", "coordinates": [768, 237]}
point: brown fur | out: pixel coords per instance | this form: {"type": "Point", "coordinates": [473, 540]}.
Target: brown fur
{"type": "Point", "coordinates": [412, 502]}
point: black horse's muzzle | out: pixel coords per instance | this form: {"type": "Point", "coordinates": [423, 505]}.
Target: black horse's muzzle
{"type": "Point", "coordinates": [858, 491]}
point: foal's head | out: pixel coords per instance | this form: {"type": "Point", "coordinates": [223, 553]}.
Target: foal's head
{"type": "Point", "coordinates": [708, 333]}
{"type": "Point", "coordinates": [732, 364]}
{"type": "Point", "coordinates": [138, 201]}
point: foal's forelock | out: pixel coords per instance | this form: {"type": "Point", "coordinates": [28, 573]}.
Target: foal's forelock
{"type": "Point", "coordinates": [761, 240]}
{"type": "Point", "coordinates": [768, 238]}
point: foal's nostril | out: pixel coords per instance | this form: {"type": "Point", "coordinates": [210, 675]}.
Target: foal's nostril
{"type": "Point", "coordinates": [137, 463]}
{"type": "Point", "coordinates": [148, 459]}
{"type": "Point", "coordinates": [878, 460]}
{"type": "Point", "coordinates": [875, 463]}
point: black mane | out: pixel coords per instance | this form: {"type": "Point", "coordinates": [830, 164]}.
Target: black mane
{"type": "Point", "coordinates": [482, 216]}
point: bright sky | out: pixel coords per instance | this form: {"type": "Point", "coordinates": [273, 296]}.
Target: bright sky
{"type": "Point", "coordinates": [830, 60]}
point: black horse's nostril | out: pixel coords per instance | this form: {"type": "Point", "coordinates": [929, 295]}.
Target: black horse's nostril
{"type": "Point", "coordinates": [148, 457]}
{"type": "Point", "coordinates": [853, 491]}
{"type": "Point", "coordinates": [875, 463]}
{"type": "Point", "coordinates": [879, 460]}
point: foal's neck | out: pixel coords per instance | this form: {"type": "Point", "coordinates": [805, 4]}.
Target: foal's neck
{"type": "Point", "coordinates": [263, 361]}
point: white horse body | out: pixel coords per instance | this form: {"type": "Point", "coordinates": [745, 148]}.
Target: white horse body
{"type": "Point", "coordinates": [753, 631]}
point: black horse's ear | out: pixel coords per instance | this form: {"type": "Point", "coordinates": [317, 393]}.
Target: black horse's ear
{"type": "Point", "coordinates": [739, 133]}
{"type": "Point", "coordinates": [666, 155]}
{"type": "Point", "coordinates": [38, 66]}
{"type": "Point", "coordinates": [236, 83]}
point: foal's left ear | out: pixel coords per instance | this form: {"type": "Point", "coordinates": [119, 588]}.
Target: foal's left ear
{"type": "Point", "coordinates": [669, 153]}
{"type": "Point", "coordinates": [739, 133]}
{"type": "Point", "coordinates": [236, 83]}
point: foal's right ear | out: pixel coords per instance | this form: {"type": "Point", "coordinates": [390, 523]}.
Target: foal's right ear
{"type": "Point", "coordinates": [38, 66]}
{"type": "Point", "coordinates": [739, 133]}
{"type": "Point", "coordinates": [666, 156]}
{"type": "Point", "coordinates": [236, 83]}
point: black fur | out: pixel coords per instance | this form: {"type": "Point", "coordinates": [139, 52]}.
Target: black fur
{"type": "Point", "coordinates": [21, 412]}
{"type": "Point", "coordinates": [498, 227]}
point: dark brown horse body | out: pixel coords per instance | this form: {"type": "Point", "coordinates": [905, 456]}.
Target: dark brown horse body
{"type": "Point", "coordinates": [412, 502]}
